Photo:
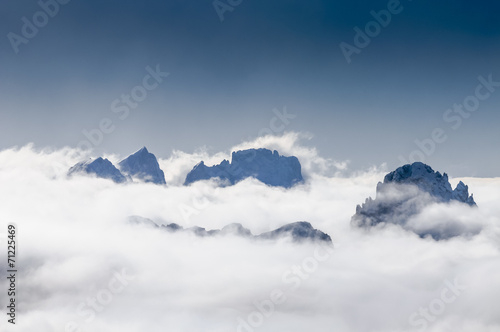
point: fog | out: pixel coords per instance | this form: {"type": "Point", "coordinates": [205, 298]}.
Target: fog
{"type": "Point", "coordinates": [82, 267]}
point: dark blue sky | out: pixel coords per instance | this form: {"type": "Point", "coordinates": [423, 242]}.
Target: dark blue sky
{"type": "Point", "coordinates": [227, 76]}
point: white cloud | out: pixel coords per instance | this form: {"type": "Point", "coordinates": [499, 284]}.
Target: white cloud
{"type": "Point", "coordinates": [73, 238]}
{"type": "Point", "coordinates": [289, 144]}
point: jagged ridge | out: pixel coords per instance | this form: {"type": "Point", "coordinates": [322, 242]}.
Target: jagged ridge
{"type": "Point", "coordinates": [298, 231]}
{"type": "Point", "coordinates": [144, 166]}
{"type": "Point", "coordinates": [405, 192]}
{"type": "Point", "coordinates": [265, 165]}
{"type": "Point", "coordinates": [141, 165]}
{"type": "Point", "coordinates": [102, 168]}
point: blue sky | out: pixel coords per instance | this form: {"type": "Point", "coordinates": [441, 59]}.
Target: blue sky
{"type": "Point", "coordinates": [226, 77]}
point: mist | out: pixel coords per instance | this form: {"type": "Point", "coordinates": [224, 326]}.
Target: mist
{"type": "Point", "coordinates": [82, 267]}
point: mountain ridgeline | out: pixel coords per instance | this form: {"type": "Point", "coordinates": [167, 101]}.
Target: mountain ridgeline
{"type": "Point", "coordinates": [143, 166]}
{"type": "Point", "coordinates": [405, 193]}
{"type": "Point", "coordinates": [267, 166]}
{"type": "Point", "coordinates": [400, 199]}
{"type": "Point", "coordinates": [102, 168]}
{"type": "Point", "coordinates": [298, 231]}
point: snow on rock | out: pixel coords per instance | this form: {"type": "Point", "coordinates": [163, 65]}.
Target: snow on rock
{"type": "Point", "coordinates": [265, 165]}
{"type": "Point", "coordinates": [428, 181]}
{"type": "Point", "coordinates": [144, 166]}
{"type": "Point", "coordinates": [99, 167]}
{"type": "Point", "coordinates": [405, 193]}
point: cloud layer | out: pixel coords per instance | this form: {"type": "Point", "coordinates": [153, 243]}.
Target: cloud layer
{"type": "Point", "coordinates": [83, 268]}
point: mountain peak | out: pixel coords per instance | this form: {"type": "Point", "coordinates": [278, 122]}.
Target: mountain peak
{"type": "Point", "coordinates": [298, 231]}
{"type": "Point", "coordinates": [405, 192]}
{"type": "Point", "coordinates": [427, 180]}
{"type": "Point", "coordinates": [265, 165]}
{"type": "Point", "coordinates": [144, 166]}
{"type": "Point", "coordinates": [102, 168]}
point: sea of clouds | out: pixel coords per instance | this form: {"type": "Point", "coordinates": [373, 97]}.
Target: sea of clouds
{"type": "Point", "coordinates": [82, 267]}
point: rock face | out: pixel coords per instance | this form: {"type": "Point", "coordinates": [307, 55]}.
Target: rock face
{"type": "Point", "coordinates": [405, 193]}
{"type": "Point", "coordinates": [265, 165]}
{"type": "Point", "coordinates": [143, 165]}
{"type": "Point", "coordinates": [461, 194]}
{"type": "Point", "coordinates": [297, 232]}
{"type": "Point", "coordinates": [99, 167]}
{"type": "Point", "coordinates": [424, 177]}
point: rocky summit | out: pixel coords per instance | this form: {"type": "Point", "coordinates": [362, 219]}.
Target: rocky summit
{"type": "Point", "coordinates": [298, 232]}
{"type": "Point", "coordinates": [99, 167]}
{"type": "Point", "coordinates": [264, 165]}
{"type": "Point", "coordinates": [427, 180]}
{"type": "Point", "coordinates": [141, 165]}
{"type": "Point", "coordinates": [405, 193]}
{"type": "Point", "coordinates": [144, 166]}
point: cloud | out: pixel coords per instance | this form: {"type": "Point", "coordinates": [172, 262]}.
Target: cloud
{"type": "Point", "coordinates": [75, 243]}
{"type": "Point", "coordinates": [289, 144]}
{"type": "Point", "coordinates": [415, 210]}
